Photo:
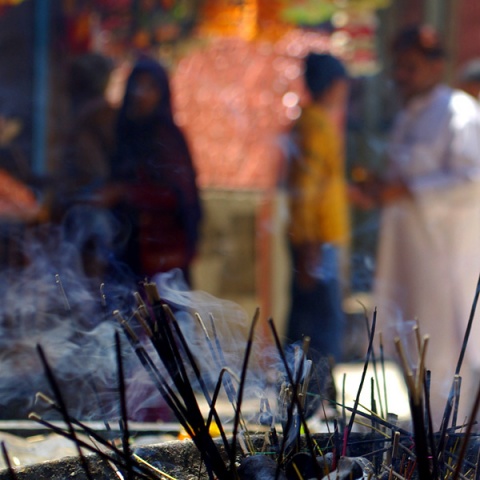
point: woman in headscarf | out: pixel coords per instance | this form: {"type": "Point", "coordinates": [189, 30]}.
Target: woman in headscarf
{"type": "Point", "coordinates": [158, 202]}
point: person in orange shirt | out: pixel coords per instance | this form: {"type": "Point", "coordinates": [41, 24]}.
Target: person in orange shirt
{"type": "Point", "coordinates": [318, 201]}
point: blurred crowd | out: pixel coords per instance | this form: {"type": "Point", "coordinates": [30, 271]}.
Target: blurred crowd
{"type": "Point", "coordinates": [428, 193]}
{"type": "Point", "coordinates": [125, 196]}
{"type": "Point", "coordinates": [124, 193]}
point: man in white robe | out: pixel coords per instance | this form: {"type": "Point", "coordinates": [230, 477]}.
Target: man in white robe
{"type": "Point", "coordinates": [428, 258]}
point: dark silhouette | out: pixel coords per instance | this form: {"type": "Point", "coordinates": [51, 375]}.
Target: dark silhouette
{"type": "Point", "coordinates": [86, 161]}
{"type": "Point", "coordinates": [154, 192]}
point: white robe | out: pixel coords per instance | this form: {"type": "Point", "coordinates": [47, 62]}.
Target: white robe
{"type": "Point", "coordinates": [429, 246]}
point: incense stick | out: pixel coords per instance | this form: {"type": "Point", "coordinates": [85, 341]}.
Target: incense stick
{"type": "Point", "coordinates": [168, 351]}
{"type": "Point", "coordinates": [382, 361]}
{"type": "Point", "coordinates": [118, 460]}
{"type": "Point", "coordinates": [308, 437]}
{"type": "Point", "coordinates": [448, 407]}
{"type": "Point", "coordinates": [246, 358]}
{"type": "Point", "coordinates": [456, 399]}
{"type": "Point", "coordinates": [348, 429]}
{"type": "Point", "coordinates": [415, 387]}
{"type": "Point", "coordinates": [229, 388]}
{"type": "Point", "coordinates": [6, 458]}
{"type": "Point", "coordinates": [172, 400]}
{"type": "Point", "coordinates": [66, 303]}
{"type": "Point", "coordinates": [374, 363]}
{"type": "Point", "coordinates": [466, 437]}
{"type": "Point", "coordinates": [63, 409]}
{"type": "Point", "coordinates": [198, 375]}
{"type": "Point", "coordinates": [123, 407]}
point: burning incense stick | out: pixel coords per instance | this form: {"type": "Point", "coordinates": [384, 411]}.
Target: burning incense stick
{"type": "Point", "coordinates": [207, 338]}
{"type": "Point", "coordinates": [103, 297]}
{"type": "Point", "coordinates": [418, 338]}
{"type": "Point", "coordinates": [420, 378]}
{"type": "Point", "coordinates": [141, 320]}
{"type": "Point", "coordinates": [176, 373]}
{"type": "Point", "coordinates": [172, 400]}
{"type": "Point", "coordinates": [197, 373]}
{"type": "Point", "coordinates": [66, 303]}
{"type": "Point", "coordinates": [229, 387]}
{"type": "Point", "coordinates": [415, 388]}
{"type": "Point", "coordinates": [140, 303]}
{"type": "Point", "coordinates": [142, 314]}
{"type": "Point", "coordinates": [165, 344]}
{"type": "Point", "coordinates": [406, 367]}
{"type": "Point", "coordinates": [216, 392]}
{"type": "Point", "coordinates": [456, 398]}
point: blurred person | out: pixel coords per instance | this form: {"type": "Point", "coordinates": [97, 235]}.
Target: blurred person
{"type": "Point", "coordinates": [86, 161]}
{"type": "Point", "coordinates": [469, 78]}
{"type": "Point", "coordinates": [154, 191]}
{"type": "Point", "coordinates": [428, 258]}
{"type": "Point", "coordinates": [90, 142]}
{"type": "Point", "coordinates": [318, 230]}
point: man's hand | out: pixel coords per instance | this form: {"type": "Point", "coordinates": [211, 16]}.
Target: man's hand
{"type": "Point", "coordinates": [392, 191]}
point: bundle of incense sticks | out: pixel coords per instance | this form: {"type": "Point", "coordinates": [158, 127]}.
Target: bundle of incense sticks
{"type": "Point", "coordinates": [174, 369]}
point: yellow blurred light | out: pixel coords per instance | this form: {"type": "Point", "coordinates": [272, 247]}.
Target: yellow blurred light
{"type": "Point", "coordinates": [213, 430]}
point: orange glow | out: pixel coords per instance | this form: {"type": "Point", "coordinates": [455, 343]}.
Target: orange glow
{"type": "Point", "coordinates": [248, 19]}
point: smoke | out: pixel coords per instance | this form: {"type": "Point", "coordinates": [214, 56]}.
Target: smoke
{"type": "Point", "coordinates": [50, 301]}
{"type": "Point", "coordinates": [47, 300]}
{"type": "Point", "coordinates": [216, 331]}
{"type": "Point", "coordinates": [224, 321]}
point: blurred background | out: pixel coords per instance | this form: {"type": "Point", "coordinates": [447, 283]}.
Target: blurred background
{"type": "Point", "coordinates": [236, 77]}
